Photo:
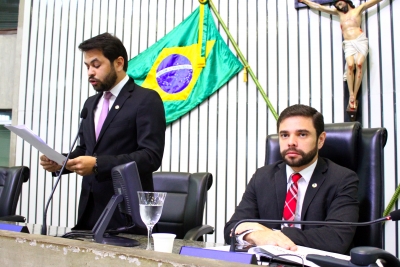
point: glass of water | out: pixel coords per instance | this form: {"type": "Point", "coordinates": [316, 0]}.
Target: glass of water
{"type": "Point", "coordinates": [150, 207]}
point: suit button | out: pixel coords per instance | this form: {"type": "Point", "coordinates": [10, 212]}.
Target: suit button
{"type": "Point", "coordinates": [94, 155]}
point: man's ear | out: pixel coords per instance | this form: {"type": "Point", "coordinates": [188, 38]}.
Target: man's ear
{"type": "Point", "coordinates": [119, 63]}
{"type": "Point", "coordinates": [321, 139]}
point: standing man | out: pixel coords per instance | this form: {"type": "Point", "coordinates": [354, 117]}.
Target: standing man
{"type": "Point", "coordinates": [302, 186]}
{"type": "Point", "coordinates": [133, 130]}
{"type": "Point", "coordinates": [355, 44]}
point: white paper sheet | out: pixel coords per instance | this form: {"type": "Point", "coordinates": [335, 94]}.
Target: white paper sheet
{"type": "Point", "coordinates": [30, 137]}
{"type": "Point", "coordinates": [301, 252]}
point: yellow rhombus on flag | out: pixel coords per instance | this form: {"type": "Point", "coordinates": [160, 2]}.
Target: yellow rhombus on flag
{"type": "Point", "coordinates": [187, 65]}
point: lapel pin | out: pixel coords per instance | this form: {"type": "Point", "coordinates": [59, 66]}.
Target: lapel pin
{"type": "Point", "coordinates": [117, 107]}
{"type": "Point", "coordinates": [314, 185]}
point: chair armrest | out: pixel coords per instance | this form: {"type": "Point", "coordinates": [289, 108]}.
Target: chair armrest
{"type": "Point", "coordinates": [13, 218]}
{"type": "Point", "coordinates": [197, 232]}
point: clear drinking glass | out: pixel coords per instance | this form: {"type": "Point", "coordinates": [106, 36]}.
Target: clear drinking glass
{"type": "Point", "coordinates": [150, 207]}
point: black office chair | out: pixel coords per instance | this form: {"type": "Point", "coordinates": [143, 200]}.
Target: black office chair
{"type": "Point", "coordinates": [184, 205]}
{"type": "Point", "coordinates": [360, 150]}
{"type": "Point", "coordinates": [11, 179]}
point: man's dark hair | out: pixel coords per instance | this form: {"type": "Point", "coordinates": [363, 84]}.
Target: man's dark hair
{"type": "Point", "coordinates": [304, 111]}
{"type": "Point", "coordinates": [109, 45]}
{"type": "Point", "coordinates": [347, 1]}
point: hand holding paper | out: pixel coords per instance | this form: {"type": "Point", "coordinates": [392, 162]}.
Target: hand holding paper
{"type": "Point", "coordinates": [48, 164]}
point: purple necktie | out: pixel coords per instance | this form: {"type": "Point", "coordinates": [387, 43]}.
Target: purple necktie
{"type": "Point", "coordinates": [104, 112]}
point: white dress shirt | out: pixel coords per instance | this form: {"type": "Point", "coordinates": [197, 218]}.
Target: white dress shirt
{"type": "Point", "coordinates": [302, 188]}
{"type": "Point", "coordinates": [115, 92]}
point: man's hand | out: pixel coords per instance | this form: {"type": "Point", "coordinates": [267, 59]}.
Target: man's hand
{"type": "Point", "coordinates": [81, 165]}
{"type": "Point", "coordinates": [265, 236]}
{"type": "Point", "coordinates": [243, 227]}
{"type": "Point", "coordinates": [48, 164]}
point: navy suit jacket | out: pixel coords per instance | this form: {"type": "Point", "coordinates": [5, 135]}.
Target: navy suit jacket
{"type": "Point", "coordinates": [134, 130]}
{"type": "Point", "coordinates": [331, 196]}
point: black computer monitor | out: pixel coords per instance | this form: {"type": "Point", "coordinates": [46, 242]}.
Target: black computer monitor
{"type": "Point", "coordinates": [126, 183]}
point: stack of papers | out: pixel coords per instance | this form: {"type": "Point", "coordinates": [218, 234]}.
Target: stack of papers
{"type": "Point", "coordinates": [298, 256]}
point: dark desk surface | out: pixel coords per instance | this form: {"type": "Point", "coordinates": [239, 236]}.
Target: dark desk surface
{"type": "Point", "coordinates": [57, 231]}
{"type": "Point", "coordinates": [21, 249]}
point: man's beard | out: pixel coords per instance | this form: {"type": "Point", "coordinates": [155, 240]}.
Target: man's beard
{"type": "Point", "coordinates": [344, 9]}
{"type": "Point", "coordinates": [304, 160]}
{"type": "Point", "coordinates": [107, 83]}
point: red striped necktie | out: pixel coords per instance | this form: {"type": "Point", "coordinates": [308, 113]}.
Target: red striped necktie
{"type": "Point", "coordinates": [289, 210]}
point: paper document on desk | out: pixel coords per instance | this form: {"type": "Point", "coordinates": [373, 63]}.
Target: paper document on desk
{"type": "Point", "coordinates": [30, 137]}
{"type": "Point", "coordinates": [301, 253]}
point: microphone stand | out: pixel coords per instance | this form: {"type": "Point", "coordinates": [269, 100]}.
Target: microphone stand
{"type": "Point", "coordinates": [44, 226]}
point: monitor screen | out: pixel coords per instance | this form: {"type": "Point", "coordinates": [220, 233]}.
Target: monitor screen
{"type": "Point", "coordinates": [126, 182]}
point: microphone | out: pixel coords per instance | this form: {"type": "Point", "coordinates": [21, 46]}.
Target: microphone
{"type": "Point", "coordinates": [360, 254]}
{"type": "Point", "coordinates": [44, 226]}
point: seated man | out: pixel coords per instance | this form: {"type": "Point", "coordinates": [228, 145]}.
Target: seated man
{"type": "Point", "coordinates": [303, 186]}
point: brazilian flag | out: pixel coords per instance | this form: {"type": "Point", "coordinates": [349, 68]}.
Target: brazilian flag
{"type": "Point", "coordinates": [187, 65]}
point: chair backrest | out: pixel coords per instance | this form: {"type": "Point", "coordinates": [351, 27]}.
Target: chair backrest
{"type": "Point", "coordinates": [360, 150]}
{"type": "Point", "coordinates": [186, 197]}
{"type": "Point", "coordinates": [11, 179]}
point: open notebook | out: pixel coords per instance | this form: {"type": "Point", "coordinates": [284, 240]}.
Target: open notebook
{"type": "Point", "coordinates": [298, 256]}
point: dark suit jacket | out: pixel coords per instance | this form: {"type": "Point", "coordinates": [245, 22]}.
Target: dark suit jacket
{"type": "Point", "coordinates": [334, 198]}
{"type": "Point", "coordinates": [134, 130]}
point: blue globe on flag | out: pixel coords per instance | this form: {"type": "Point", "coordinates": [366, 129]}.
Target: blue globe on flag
{"type": "Point", "coordinates": [174, 73]}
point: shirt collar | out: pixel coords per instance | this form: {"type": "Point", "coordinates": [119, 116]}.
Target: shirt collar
{"type": "Point", "coordinates": [306, 173]}
{"type": "Point", "coordinates": [117, 89]}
